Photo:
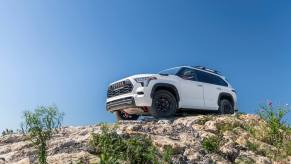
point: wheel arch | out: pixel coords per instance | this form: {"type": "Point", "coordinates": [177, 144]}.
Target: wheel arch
{"type": "Point", "coordinates": [227, 96]}
{"type": "Point", "coordinates": [165, 86]}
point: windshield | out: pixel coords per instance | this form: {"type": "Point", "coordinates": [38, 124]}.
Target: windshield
{"type": "Point", "coordinates": [171, 71]}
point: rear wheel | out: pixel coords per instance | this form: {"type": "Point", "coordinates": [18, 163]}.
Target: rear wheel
{"type": "Point", "coordinates": [225, 107]}
{"type": "Point", "coordinates": [125, 116]}
{"type": "Point", "coordinates": [164, 104]}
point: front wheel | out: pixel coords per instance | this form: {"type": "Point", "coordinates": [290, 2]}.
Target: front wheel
{"type": "Point", "coordinates": [225, 107]}
{"type": "Point", "coordinates": [164, 104]}
{"type": "Point", "coordinates": [125, 116]}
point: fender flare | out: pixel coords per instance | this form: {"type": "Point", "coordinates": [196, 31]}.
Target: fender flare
{"type": "Point", "coordinates": [226, 95]}
{"type": "Point", "coordinates": [166, 85]}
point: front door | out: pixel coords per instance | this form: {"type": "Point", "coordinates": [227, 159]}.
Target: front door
{"type": "Point", "coordinates": [191, 95]}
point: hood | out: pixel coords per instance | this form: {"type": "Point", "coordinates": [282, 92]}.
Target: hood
{"type": "Point", "coordinates": [141, 75]}
{"type": "Point", "coordinates": [135, 76]}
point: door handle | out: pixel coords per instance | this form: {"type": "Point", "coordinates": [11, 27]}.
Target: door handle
{"type": "Point", "coordinates": [218, 88]}
{"type": "Point", "coordinates": [200, 85]}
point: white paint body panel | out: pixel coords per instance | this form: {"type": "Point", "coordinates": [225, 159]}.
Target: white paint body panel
{"type": "Point", "coordinates": [193, 94]}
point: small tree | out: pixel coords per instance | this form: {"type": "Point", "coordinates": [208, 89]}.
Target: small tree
{"type": "Point", "coordinates": [40, 125]}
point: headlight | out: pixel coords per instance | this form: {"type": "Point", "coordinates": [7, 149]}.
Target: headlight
{"type": "Point", "coordinates": [145, 80]}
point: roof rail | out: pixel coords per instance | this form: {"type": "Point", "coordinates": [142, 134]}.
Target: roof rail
{"type": "Point", "coordinates": [208, 69]}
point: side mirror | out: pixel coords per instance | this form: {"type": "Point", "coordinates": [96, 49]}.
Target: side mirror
{"type": "Point", "coordinates": [188, 75]}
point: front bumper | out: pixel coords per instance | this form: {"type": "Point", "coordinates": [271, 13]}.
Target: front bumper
{"type": "Point", "coordinates": [139, 97]}
{"type": "Point", "coordinates": [127, 102]}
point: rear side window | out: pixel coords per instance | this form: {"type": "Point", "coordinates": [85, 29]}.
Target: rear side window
{"type": "Point", "coordinates": [218, 81]}
{"type": "Point", "coordinates": [210, 78]}
{"type": "Point", "coordinates": [203, 77]}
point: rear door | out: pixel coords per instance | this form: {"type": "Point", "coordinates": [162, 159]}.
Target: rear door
{"type": "Point", "coordinates": [211, 89]}
{"type": "Point", "coordinates": [191, 95]}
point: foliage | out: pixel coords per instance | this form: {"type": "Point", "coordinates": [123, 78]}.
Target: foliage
{"type": "Point", "coordinates": [40, 125]}
{"type": "Point", "coordinates": [108, 144]}
{"type": "Point", "coordinates": [7, 132]}
{"type": "Point", "coordinates": [167, 154]}
{"type": "Point", "coordinates": [114, 148]}
{"type": "Point", "coordinates": [139, 149]}
{"type": "Point", "coordinates": [251, 146]}
{"type": "Point", "coordinates": [211, 144]}
{"type": "Point", "coordinates": [274, 131]}
{"type": "Point", "coordinates": [254, 147]}
{"type": "Point", "coordinates": [277, 128]}
{"type": "Point", "coordinates": [249, 129]}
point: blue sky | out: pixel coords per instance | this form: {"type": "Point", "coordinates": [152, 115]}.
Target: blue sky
{"type": "Point", "coordinates": [67, 52]}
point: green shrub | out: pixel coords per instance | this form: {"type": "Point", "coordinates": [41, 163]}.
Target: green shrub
{"type": "Point", "coordinates": [109, 145]}
{"type": "Point", "coordinates": [274, 119]}
{"type": "Point", "coordinates": [167, 154]}
{"type": "Point", "coordinates": [254, 147]}
{"type": "Point", "coordinates": [251, 146]}
{"type": "Point", "coordinates": [275, 132]}
{"type": "Point", "coordinates": [211, 144]}
{"type": "Point", "coordinates": [40, 125]}
{"type": "Point", "coordinates": [139, 149]}
{"type": "Point", "coordinates": [114, 148]}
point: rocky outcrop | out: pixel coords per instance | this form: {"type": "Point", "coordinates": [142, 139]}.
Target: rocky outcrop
{"type": "Point", "coordinates": [185, 135]}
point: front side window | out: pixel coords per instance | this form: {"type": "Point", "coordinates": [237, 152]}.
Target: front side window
{"type": "Point", "coordinates": [187, 74]}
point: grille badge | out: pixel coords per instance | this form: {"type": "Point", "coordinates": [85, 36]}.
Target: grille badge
{"type": "Point", "coordinates": [118, 85]}
{"type": "Point", "coordinates": [119, 88]}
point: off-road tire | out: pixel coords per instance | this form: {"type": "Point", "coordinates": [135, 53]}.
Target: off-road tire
{"type": "Point", "coordinates": [225, 107]}
{"type": "Point", "coordinates": [121, 116]}
{"type": "Point", "coordinates": [164, 104]}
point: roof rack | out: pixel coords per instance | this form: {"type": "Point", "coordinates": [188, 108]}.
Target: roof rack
{"type": "Point", "coordinates": [208, 69]}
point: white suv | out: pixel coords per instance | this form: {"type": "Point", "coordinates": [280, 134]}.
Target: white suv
{"type": "Point", "coordinates": [171, 91]}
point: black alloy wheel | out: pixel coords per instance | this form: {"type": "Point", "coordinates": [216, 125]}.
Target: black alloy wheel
{"type": "Point", "coordinates": [225, 107]}
{"type": "Point", "coordinates": [164, 104]}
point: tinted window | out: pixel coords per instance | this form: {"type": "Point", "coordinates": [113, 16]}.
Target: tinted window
{"type": "Point", "coordinates": [203, 77]}
{"type": "Point", "coordinates": [188, 74]}
{"type": "Point", "coordinates": [218, 81]}
{"type": "Point", "coordinates": [210, 78]}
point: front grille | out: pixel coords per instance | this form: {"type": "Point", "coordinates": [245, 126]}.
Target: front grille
{"type": "Point", "coordinates": [119, 88]}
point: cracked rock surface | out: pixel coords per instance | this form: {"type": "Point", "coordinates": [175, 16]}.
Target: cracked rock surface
{"type": "Point", "coordinates": [184, 135]}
